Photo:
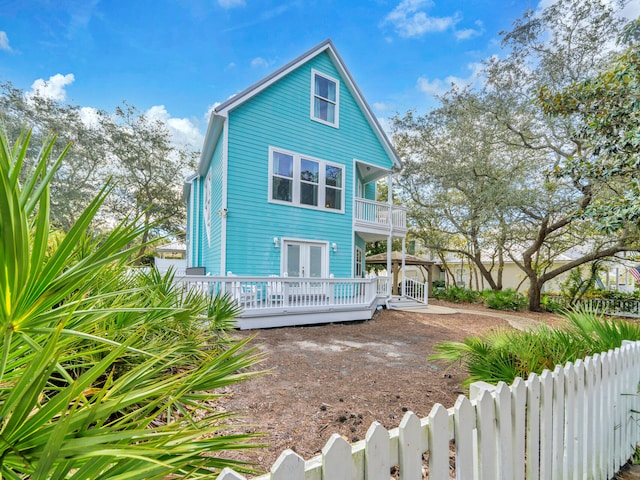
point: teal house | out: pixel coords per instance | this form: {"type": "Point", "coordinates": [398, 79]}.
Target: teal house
{"type": "Point", "coordinates": [284, 198]}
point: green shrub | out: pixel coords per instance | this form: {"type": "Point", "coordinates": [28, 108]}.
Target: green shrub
{"type": "Point", "coordinates": [551, 305]}
{"type": "Point", "coordinates": [508, 299]}
{"type": "Point", "coordinates": [103, 374]}
{"type": "Point", "coordinates": [507, 354]}
{"type": "Point", "coordinates": [458, 295]}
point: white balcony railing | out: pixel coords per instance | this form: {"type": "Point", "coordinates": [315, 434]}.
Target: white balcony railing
{"type": "Point", "coordinates": [380, 215]}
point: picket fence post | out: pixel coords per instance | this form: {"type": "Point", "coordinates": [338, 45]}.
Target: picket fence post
{"type": "Point", "coordinates": [579, 421]}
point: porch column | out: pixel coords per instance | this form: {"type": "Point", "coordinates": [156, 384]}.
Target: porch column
{"type": "Point", "coordinates": [389, 271]}
{"type": "Point", "coordinates": [390, 287]}
{"type": "Point", "coordinates": [404, 287]}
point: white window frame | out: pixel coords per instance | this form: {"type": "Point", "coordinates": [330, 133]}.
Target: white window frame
{"type": "Point", "coordinates": [207, 205]}
{"type": "Point", "coordinates": [315, 73]}
{"type": "Point", "coordinates": [359, 263]}
{"type": "Point", "coordinates": [322, 186]}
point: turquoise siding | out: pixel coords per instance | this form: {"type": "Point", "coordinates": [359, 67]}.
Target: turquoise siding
{"type": "Point", "coordinates": [212, 246]}
{"type": "Point", "coordinates": [370, 191]}
{"type": "Point", "coordinates": [279, 116]}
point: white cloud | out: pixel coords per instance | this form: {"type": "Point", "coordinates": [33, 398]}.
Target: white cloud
{"type": "Point", "coordinates": [259, 62]}
{"type": "Point", "coordinates": [381, 106]}
{"type": "Point", "coordinates": [231, 3]}
{"type": "Point", "coordinates": [54, 88]}
{"type": "Point", "coordinates": [468, 33]}
{"type": "Point", "coordinates": [4, 42]}
{"type": "Point", "coordinates": [410, 20]}
{"type": "Point", "coordinates": [183, 130]}
{"type": "Point", "coordinates": [437, 86]}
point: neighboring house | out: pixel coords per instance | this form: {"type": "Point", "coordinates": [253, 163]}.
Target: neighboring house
{"type": "Point", "coordinates": [171, 256]}
{"type": "Point", "coordinates": [286, 187]}
{"type": "Point", "coordinates": [614, 274]}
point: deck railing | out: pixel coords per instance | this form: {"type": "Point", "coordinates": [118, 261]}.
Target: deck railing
{"type": "Point", "coordinates": [416, 290]}
{"type": "Point", "coordinates": [259, 295]}
{"type": "Point", "coordinates": [579, 421]}
{"type": "Point", "coordinates": [609, 306]}
{"type": "Point", "coordinates": [380, 214]}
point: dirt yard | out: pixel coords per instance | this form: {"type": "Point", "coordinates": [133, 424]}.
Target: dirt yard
{"type": "Point", "coordinates": [339, 378]}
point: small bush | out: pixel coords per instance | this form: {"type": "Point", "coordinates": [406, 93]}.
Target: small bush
{"type": "Point", "coordinates": [508, 299]}
{"type": "Point", "coordinates": [551, 305]}
{"type": "Point", "coordinates": [458, 295]}
{"type": "Point", "coordinates": [507, 354]}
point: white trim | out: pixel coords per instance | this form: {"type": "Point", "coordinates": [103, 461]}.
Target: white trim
{"type": "Point", "coordinates": [224, 193]}
{"type": "Point", "coordinates": [336, 112]}
{"type": "Point", "coordinates": [206, 204]}
{"type": "Point", "coordinates": [322, 186]}
{"type": "Point", "coordinates": [355, 262]}
{"type": "Point", "coordinates": [198, 231]}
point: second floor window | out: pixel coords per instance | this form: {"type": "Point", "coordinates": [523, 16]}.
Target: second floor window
{"type": "Point", "coordinates": [304, 181]}
{"type": "Point", "coordinates": [325, 93]}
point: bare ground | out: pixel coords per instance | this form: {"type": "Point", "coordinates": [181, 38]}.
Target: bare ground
{"type": "Point", "coordinates": [339, 378]}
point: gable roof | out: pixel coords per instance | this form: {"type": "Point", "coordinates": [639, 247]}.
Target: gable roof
{"type": "Point", "coordinates": [220, 113]}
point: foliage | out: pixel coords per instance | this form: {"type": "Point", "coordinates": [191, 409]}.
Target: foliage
{"type": "Point", "coordinates": [127, 145]}
{"type": "Point", "coordinates": [549, 304]}
{"type": "Point", "coordinates": [507, 354]}
{"type": "Point", "coordinates": [508, 299]}
{"type": "Point", "coordinates": [458, 295]}
{"type": "Point", "coordinates": [607, 116]}
{"type": "Point", "coordinates": [487, 177]}
{"type": "Point", "coordinates": [576, 287]}
{"type": "Point", "coordinates": [103, 374]}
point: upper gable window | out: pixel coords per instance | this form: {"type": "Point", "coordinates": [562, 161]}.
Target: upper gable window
{"type": "Point", "coordinates": [325, 95]}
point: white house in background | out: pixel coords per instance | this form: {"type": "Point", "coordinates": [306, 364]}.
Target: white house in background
{"type": "Point", "coordinates": [616, 274]}
{"type": "Point", "coordinates": [172, 255]}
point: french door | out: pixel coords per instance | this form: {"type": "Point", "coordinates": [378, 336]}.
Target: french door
{"type": "Point", "coordinates": [305, 260]}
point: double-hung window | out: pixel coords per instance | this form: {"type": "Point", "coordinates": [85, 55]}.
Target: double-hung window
{"type": "Point", "coordinates": [304, 181]}
{"type": "Point", "coordinates": [325, 95]}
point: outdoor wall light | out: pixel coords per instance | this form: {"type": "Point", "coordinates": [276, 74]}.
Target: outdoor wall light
{"type": "Point", "coordinates": [334, 247]}
{"type": "Point", "coordinates": [276, 242]}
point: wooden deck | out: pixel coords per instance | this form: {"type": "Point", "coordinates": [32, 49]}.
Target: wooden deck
{"type": "Point", "coordinates": [285, 301]}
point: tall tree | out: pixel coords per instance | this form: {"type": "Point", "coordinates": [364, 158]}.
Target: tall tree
{"type": "Point", "coordinates": [84, 169]}
{"type": "Point", "coordinates": [136, 151]}
{"type": "Point", "coordinates": [606, 112]}
{"type": "Point", "coordinates": [148, 169]}
{"type": "Point", "coordinates": [463, 182]}
{"type": "Point", "coordinates": [542, 211]}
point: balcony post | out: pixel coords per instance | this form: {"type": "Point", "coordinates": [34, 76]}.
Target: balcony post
{"type": "Point", "coordinates": [404, 286]}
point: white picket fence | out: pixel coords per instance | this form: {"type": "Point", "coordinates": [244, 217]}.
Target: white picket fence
{"type": "Point", "coordinates": [577, 422]}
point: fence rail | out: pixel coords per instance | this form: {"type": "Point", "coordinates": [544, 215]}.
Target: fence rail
{"type": "Point", "coordinates": [573, 423]}
{"type": "Point", "coordinates": [608, 306]}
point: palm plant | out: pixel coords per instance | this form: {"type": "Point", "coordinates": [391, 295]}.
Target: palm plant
{"type": "Point", "coordinates": [90, 386]}
{"type": "Point", "coordinates": [507, 354]}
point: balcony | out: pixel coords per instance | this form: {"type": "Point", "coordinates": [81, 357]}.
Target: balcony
{"type": "Point", "coordinates": [373, 218]}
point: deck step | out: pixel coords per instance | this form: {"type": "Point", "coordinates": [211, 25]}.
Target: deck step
{"type": "Point", "coordinates": [399, 303]}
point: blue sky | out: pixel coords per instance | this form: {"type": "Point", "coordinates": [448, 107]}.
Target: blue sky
{"type": "Point", "coordinates": [178, 58]}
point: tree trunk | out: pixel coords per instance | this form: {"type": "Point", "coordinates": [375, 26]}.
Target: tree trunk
{"type": "Point", "coordinates": [535, 294]}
